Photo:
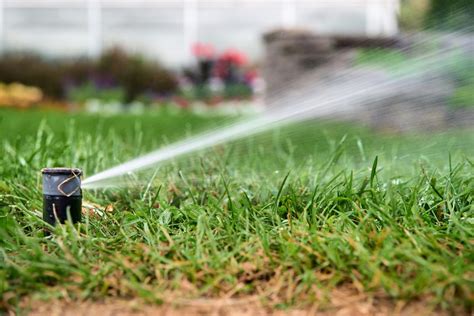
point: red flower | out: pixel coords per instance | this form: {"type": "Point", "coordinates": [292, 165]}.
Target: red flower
{"type": "Point", "coordinates": [203, 51]}
{"type": "Point", "coordinates": [234, 56]}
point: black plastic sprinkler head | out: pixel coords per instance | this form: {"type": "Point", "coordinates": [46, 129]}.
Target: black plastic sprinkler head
{"type": "Point", "coordinates": [62, 195]}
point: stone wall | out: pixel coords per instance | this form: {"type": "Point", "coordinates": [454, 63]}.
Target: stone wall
{"type": "Point", "coordinates": [300, 65]}
{"type": "Point", "coordinates": [290, 54]}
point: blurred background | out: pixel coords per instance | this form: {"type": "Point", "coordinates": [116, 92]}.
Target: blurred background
{"type": "Point", "coordinates": [228, 55]}
{"type": "Point", "coordinates": [166, 30]}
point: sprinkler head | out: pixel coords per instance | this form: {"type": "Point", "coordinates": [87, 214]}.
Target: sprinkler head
{"type": "Point", "coordinates": [62, 195]}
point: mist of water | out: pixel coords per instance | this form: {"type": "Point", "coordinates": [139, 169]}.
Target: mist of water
{"type": "Point", "coordinates": [341, 95]}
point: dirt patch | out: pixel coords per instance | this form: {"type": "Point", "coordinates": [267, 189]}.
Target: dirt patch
{"type": "Point", "coordinates": [342, 303]}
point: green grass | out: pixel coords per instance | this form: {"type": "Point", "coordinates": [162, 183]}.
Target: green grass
{"type": "Point", "coordinates": [383, 58]}
{"type": "Point", "coordinates": [287, 215]}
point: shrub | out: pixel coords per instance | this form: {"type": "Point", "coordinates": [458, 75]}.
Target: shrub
{"type": "Point", "coordinates": [115, 69]}
{"type": "Point", "coordinates": [32, 70]}
{"type": "Point", "coordinates": [413, 14]}
{"type": "Point", "coordinates": [450, 14]}
{"type": "Point", "coordinates": [237, 90]}
{"type": "Point", "coordinates": [18, 95]}
{"type": "Point", "coordinates": [137, 75]}
{"type": "Point", "coordinates": [90, 91]}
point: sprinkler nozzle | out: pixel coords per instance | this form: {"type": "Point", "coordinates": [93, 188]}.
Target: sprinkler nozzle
{"type": "Point", "coordinates": [62, 195]}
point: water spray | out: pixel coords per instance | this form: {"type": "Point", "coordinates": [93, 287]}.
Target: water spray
{"type": "Point", "coordinates": [62, 195]}
{"type": "Point", "coordinates": [348, 94]}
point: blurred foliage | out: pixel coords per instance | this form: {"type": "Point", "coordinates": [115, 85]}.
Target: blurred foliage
{"type": "Point", "coordinates": [204, 93]}
{"type": "Point", "coordinates": [237, 90]}
{"type": "Point", "coordinates": [462, 71]}
{"type": "Point", "coordinates": [136, 74]}
{"type": "Point", "coordinates": [381, 57]}
{"type": "Point", "coordinates": [436, 14]}
{"type": "Point", "coordinates": [458, 68]}
{"type": "Point", "coordinates": [19, 95]}
{"type": "Point", "coordinates": [450, 15]}
{"type": "Point", "coordinates": [89, 91]}
{"type": "Point", "coordinates": [32, 70]}
{"type": "Point", "coordinates": [413, 14]}
{"type": "Point", "coordinates": [463, 96]}
{"type": "Point", "coordinates": [196, 93]}
{"type": "Point", "coordinates": [114, 69]}
{"type": "Point", "coordinates": [462, 68]}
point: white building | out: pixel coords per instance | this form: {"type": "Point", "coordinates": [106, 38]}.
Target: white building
{"type": "Point", "coordinates": [166, 29]}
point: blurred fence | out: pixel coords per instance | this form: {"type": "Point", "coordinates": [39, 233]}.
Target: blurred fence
{"type": "Point", "coordinates": [166, 29]}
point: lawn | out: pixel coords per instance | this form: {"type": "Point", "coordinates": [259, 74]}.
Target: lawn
{"type": "Point", "coordinates": [289, 217]}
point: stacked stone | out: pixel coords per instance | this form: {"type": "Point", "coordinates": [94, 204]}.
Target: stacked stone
{"type": "Point", "coordinates": [300, 64]}
{"type": "Point", "coordinates": [289, 54]}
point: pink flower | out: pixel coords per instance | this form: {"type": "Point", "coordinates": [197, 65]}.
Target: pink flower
{"type": "Point", "coordinates": [203, 51]}
{"type": "Point", "coordinates": [234, 56]}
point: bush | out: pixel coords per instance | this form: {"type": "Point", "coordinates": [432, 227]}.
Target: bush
{"type": "Point", "coordinates": [89, 91]}
{"type": "Point", "coordinates": [32, 70]}
{"type": "Point", "coordinates": [450, 14]}
{"type": "Point", "coordinates": [137, 75]}
{"type": "Point", "coordinates": [18, 95]}
{"type": "Point", "coordinates": [413, 14]}
{"type": "Point", "coordinates": [237, 91]}
{"type": "Point", "coordinates": [114, 69]}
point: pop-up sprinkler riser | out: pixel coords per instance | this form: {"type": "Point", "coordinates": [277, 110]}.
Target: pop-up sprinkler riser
{"type": "Point", "coordinates": [62, 195]}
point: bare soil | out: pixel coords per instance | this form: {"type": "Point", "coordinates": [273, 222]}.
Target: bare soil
{"type": "Point", "coordinates": [342, 303]}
